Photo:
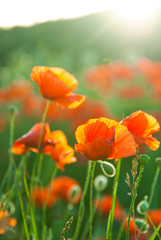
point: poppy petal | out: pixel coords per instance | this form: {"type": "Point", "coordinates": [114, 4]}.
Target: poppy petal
{"type": "Point", "coordinates": [70, 101]}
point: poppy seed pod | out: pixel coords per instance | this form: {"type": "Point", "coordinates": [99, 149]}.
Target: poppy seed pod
{"type": "Point", "coordinates": [142, 224]}
{"type": "Point", "coordinates": [100, 183]}
{"type": "Point", "coordinates": [143, 206]}
{"type": "Point", "coordinates": [108, 169]}
{"type": "Point", "coordinates": [143, 159]}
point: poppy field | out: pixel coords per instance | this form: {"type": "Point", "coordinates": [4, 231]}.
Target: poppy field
{"type": "Point", "coordinates": [79, 142]}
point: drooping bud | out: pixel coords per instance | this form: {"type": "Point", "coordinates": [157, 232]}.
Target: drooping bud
{"type": "Point", "coordinates": [142, 225]}
{"type": "Point", "coordinates": [143, 159]}
{"type": "Point", "coordinates": [108, 169]}
{"type": "Point", "coordinates": [100, 183]}
{"type": "Point", "coordinates": [143, 206]}
{"type": "Point", "coordinates": [158, 161]}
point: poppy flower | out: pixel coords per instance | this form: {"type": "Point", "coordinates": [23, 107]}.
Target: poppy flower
{"type": "Point", "coordinates": [42, 196]}
{"type": "Point", "coordinates": [56, 84]}
{"type": "Point", "coordinates": [104, 204]}
{"type": "Point", "coordinates": [155, 216]}
{"type": "Point", "coordinates": [30, 140]}
{"type": "Point", "coordinates": [63, 187]}
{"type": "Point", "coordinates": [6, 221]}
{"type": "Point", "coordinates": [57, 151]}
{"type": "Point", "coordinates": [132, 227]}
{"type": "Point", "coordinates": [142, 126]}
{"type": "Point", "coordinates": [66, 188]}
{"type": "Point", "coordinates": [18, 90]}
{"type": "Point", "coordinates": [132, 92]}
{"type": "Point", "coordinates": [103, 138]}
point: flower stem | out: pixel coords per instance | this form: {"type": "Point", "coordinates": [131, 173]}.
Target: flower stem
{"type": "Point", "coordinates": [91, 199]}
{"type": "Point", "coordinates": [38, 160]}
{"type": "Point", "coordinates": [133, 200]}
{"type": "Point", "coordinates": [79, 219]}
{"type": "Point", "coordinates": [8, 174]}
{"type": "Point", "coordinates": [154, 185]}
{"type": "Point", "coordinates": [111, 215]}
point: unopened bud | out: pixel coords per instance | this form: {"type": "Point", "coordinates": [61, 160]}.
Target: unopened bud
{"type": "Point", "coordinates": [100, 183]}
{"type": "Point", "coordinates": [143, 159]}
{"type": "Point", "coordinates": [143, 206]}
{"type": "Point", "coordinates": [12, 109]}
{"type": "Point", "coordinates": [108, 169]}
{"type": "Point", "coordinates": [158, 161]}
{"type": "Point", "coordinates": [142, 224]}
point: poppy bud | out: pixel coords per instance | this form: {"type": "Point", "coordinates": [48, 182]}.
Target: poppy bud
{"type": "Point", "coordinates": [74, 193]}
{"type": "Point", "coordinates": [12, 109]}
{"type": "Point", "coordinates": [143, 206]}
{"type": "Point", "coordinates": [100, 183]}
{"type": "Point", "coordinates": [143, 159]}
{"type": "Point", "coordinates": [158, 161]}
{"type": "Point", "coordinates": [142, 224]}
{"type": "Point", "coordinates": [108, 169]}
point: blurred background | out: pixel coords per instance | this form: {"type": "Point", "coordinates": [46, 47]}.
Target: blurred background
{"type": "Point", "coordinates": [112, 48]}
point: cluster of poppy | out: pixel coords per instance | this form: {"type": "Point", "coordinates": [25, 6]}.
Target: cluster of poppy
{"type": "Point", "coordinates": [53, 143]}
{"type": "Point", "coordinates": [100, 138]}
{"type": "Point", "coordinates": [6, 222]}
{"type": "Point", "coordinates": [50, 194]}
{"type": "Point", "coordinates": [106, 77]}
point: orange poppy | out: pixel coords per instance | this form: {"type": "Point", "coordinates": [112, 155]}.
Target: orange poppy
{"type": "Point", "coordinates": [155, 216]}
{"type": "Point", "coordinates": [18, 90]}
{"type": "Point", "coordinates": [42, 196]}
{"type": "Point", "coordinates": [6, 221]}
{"type": "Point", "coordinates": [56, 84]}
{"type": "Point", "coordinates": [30, 140]}
{"type": "Point", "coordinates": [103, 138]}
{"type": "Point", "coordinates": [58, 150]}
{"type": "Point", "coordinates": [132, 92]}
{"type": "Point", "coordinates": [62, 187]}
{"type": "Point", "coordinates": [121, 69]}
{"type": "Point", "coordinates": [142, 126]}
{"type": "Point", "coordinates": [132, 227]}
{"type": "Point", "coordinates": [104, 204]}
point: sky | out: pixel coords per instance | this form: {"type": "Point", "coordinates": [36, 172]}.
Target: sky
{"type": "Point", "coordinates": [26, 13]}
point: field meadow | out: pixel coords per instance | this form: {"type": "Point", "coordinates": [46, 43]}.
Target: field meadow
{"type": "Point", "coordinates": [80, 115]}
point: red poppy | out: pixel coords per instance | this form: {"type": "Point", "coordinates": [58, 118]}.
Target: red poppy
{"type": "Point", "coordinates": [103, 138]}
{"type": "Point", "coordinates": [132, 92]}
{"type": "Point", "coordinates": [63, 187]}
{"type": "Point", "coordinates": [42, 196]}
{"type": "Point", "coordinates": [17, 91]}
{"type": "Point", "coordinates": [56, 84]}
{"type": "Point", "coordinates": [104, 204]}
{"type": "Point", "coordinates": [58, 150]}
{"type": "Point", "coordinates": [132, 227]}
{"type": "Point", "coordinates": [6, 221]}
{"type": "Point", "coordinates": [30, 140]}
{"type": "Point", "coordinates": [142, 126]}
{"type": "Point", "coordinates": [155, 216]}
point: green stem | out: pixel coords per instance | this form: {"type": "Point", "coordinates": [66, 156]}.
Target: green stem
{"type": "Point", "coordinates": [133, 200]}
{"type": "Point", "coordinates": [30, 208]}
{"type": "Point", "coordinates": [153, 226]}
{"type": "Point", "coordinates": [151, 194]}
{"type": "Point", "coordinates": [79, 219]}
{"type": "Point", "coordinates": [8, 174]}
{"type": "Point", "coordinates": [120, 231]}
{"type": "Point", "coordinates": [38, 161]}
{"type": "Point", "coordinates": [111, 215]}
{"type": "Point", "coordinates": [91, 200]}
{"type": "Point", "coordinates": [44, 206]}
{"type": "Point", "coordinates": [154, 185]}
